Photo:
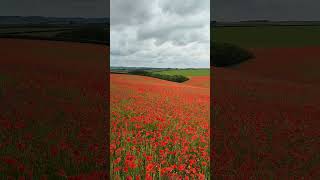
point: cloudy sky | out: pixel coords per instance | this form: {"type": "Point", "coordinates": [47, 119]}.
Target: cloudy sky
{"type": "Point", "coordinates": [55, 8]}
{"type": "Point", "coordinates": [160, 33]}
{"type": "Point", "coordinates": [234, 10]}
{"type": "Point", "coordinates": [221, 9]}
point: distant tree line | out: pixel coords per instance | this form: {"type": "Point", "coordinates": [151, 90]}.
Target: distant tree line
{"type": "Point", "coordinates": [89, 33]}
{"type": "Point", "coordinates": [224, 54]}
{"type": "Point", "coordinates": [174, 78]}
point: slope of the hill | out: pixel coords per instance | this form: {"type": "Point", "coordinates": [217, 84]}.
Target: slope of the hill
{"type": "Point", "coordinates": [199, 81]}
{"type": "Point", "coordinates": [197, 77]}
{"type": "Point", "coordinates": [290, 64]}
{"type": "Point", "coordinates": [266, 116]}
{"type": "Point", "coordinates": [52, 101]}
{"type": "Point", "coordinates": [159, 129]}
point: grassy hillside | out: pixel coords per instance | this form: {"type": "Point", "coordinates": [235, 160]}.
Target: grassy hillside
{"type": "Point", "coordinates": [268, 36]}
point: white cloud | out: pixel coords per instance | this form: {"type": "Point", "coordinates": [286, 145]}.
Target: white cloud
{"type": "Point", "coordinates": [160, 33]}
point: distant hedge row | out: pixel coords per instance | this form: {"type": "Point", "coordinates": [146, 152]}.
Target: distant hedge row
{"type": "Point", "coordinates": [224, 54]}
{"type": "Point", "coordinates": [96, 35]}
{"type": "Point", "coordinates": [93, 34]}
{"type": "Point", "coordinates": [174, 78]}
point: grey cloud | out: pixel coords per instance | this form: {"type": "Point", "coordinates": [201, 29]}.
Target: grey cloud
{"type": "Point", "coordinates": [55, 8]}
{"type": "Point", "coordinates": [234, 10]}
{"type": "Point", "coordinates": [162, 33]}
{"type": "Point", "coordinates": [184, 7]}
{"type": "Point", "coordinates": [130, 12]}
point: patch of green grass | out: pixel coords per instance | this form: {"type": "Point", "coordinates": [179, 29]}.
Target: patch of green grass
{"type": "Point", "coordinates": [87, 34]}
{"type": "Point", "coordinates": [33, 30]}
{"type": "Point", "coordinates": [268, 36]}
{"type": "Point", "coordinates": [187, 72]}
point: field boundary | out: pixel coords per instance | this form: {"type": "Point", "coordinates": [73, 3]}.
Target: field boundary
{"type": "Point", "coordinates": [55, 39]}
{"type": "Point", "coordinates": [36, 31]}
{"type": "Point", "coordinates": [264, 23]}
{"type": "Point", "coordinates": [119, 73]}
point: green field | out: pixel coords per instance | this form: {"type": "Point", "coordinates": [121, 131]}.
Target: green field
{"type": "Point", "coordinates": [93, 34]}
{"type": "Point", "coordinates": [268, 36]}
{"type": "Point", "coordinates": [187, 72]}
{"type": "Point", "coordinates": [31, 29]}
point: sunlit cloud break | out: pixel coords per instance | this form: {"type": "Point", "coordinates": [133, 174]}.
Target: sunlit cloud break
{"type": "Point", "coordinates": [160, 33]}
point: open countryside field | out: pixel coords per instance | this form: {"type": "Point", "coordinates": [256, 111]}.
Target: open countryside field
{"type": "Point", "coordinates": [97, 33]}
{"type": "Point", "coordinates": [268, 36]}
{"type": "Point", "coordinates": [266, 110]}
{"type": "Point", "coordinates": [52, 104]}
{"type": "Point", "coordinates": [199, 81]}
{"type": "Point", "coordinates": [18, 30]}
{"type": "Point", "coordinates": [159, 129]}
{"type": "Point", "coordinates": [197, 77]}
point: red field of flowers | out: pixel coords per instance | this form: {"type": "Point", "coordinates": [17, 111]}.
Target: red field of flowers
{"type": "Point", "coordinates": [266, 116]}
{"type": "Point", "coordinates": [159, 129]}
{"type": "Point", "coordinates": [52, 97]}
{"type": "Point", "coordinates": [199, 81]}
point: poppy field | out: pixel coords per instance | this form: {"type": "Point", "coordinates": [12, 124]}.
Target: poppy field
{"type": "Point", "coordinates": [159, 129]}
{"type": "Point", "coordinates": [52, 110]}
{"type": "Point", "coordinates": [266, 116]}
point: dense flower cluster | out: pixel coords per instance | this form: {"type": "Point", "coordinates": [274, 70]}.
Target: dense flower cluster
{"type": "Point", "coordinates": [52, 122]}
{"type": "Point", "coordinates": [158, 129]}
{"type": "Point", "coordinates": [266, 117]}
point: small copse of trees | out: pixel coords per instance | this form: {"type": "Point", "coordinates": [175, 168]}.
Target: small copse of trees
{"type": "Point", "coordinates": [174, 78]}
{"type": "Point", "coordinates": [224, 54]}
{"type": "Point", "coordinates": [91, 34]}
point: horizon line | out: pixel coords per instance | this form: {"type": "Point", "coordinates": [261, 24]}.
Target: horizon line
{"type": "Point", "coordinates": [84, 17]}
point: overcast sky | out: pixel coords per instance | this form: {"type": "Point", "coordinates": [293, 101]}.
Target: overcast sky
{"type": "Point", "coordinates": [55, 8]}
{"type": "Point", "coordinates": [235, 10]}
{"type": "Point", "coordinates": [160, 33]}
{"type": "Point", "coordinates": [221, 9]}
